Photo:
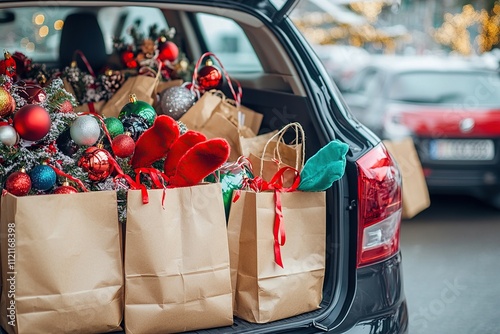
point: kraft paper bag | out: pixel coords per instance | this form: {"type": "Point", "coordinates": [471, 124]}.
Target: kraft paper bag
{"type": "Point", "coordinates": [219, 126]}
{"type": "Point", "coordinates": [251, 119]}
{"type": "Point", "coordinates": [196, 117]}
{"type": "Point", "coordinates": [264, 291]}
{"type": "Point", "coordinates": [415, 194]}
{"type": "Point", "coordinates": [215, 101]}
{"type": "Point", "coordinates": [275, 154]}
{"type": "Point", "coordinates": [62, 268]}
{"type": "Point", "coordinates": [143, 86]}
{"type": "Point", "coordinates": [255, 145]}
{"type": "Point", "coordinates": [177, 274]}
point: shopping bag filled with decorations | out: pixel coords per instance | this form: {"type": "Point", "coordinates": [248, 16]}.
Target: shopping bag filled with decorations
{"type": "Point", "coordinates": [78, 148]}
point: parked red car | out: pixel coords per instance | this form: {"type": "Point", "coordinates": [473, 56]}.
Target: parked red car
{"type": "Point", "coordinates": [451, 108]}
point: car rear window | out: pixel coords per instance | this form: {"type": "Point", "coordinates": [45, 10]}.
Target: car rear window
{"type": "Point", "coordinates": [228, 41]}
{"type": "Point", "coordinates": [474, 88]}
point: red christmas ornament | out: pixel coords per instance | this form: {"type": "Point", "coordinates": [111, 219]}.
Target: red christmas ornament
{"type": "Point", "coordinates": [65, 189]}
{"type": "Point", "coordinates": [123, 145]}
{"type": "Point", "coordinates": [18, 183]}
{"type": "Point", "coordinates": [31, 93]}
{"type": "Point", "coordinates": [168, 51]}
{"type": "Point", "coordinates": [66, 107]}
{"type": "Point", "coordinates": [32, 122]}
{"type": "Point", "coordinates": [209, 77]}
{"type": "Point", "coordinates": [96, 162]}
{"type": "Point", "coordinates": [128, 58]}
{"type": "Point", "coordinates": [8, 65]}
{"type": "Point", "coordinates": [7, 102]}
{"type": "Point", "coordinates": [23, 63]}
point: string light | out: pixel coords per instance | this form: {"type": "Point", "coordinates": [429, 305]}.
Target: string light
{"type": "Point", "coordinates": [454, 32]}
{"type": "Point", "coordinates": [370, 9]}
{"type": "Point", "coordinates": [322, 28]}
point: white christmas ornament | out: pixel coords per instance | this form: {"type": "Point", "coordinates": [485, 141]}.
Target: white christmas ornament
{"type": "Point", "coordinates": [8, 135]}
{"type": "Point", "coordinates": [85, 130]}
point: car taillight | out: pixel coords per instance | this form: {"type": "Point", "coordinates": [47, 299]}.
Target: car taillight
{"type": "Point", "coordinates": [379, 206]}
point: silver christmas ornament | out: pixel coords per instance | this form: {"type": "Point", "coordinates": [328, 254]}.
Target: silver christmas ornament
{"type": "Point", "coordinates": [85, 130]}
{"type": "Point", "coordinates": [8, 135]}
{"type": "Point", "coordinates": [176, 101]}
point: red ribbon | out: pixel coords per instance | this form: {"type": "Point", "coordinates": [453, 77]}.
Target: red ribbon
{"type": "Point", "coordinates": [74, 179]}
{"type": "Point", "coordinates": [276, 184]}
{"type": "Point", "coordinates": [85, 61]}
{"type": "Point", "coordinates": [119, 172]}
{"type": "Point", "coordinates": [158, 178]}
{"type": "Point", "coordinates": [258, 184]}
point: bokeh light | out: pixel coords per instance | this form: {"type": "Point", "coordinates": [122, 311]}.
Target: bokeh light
{"type": "Point", "coordinates": [39, 19]}
{"type": "Point", "coordinates": [43, 31]}
{"type": "Point", "coordinates": [58, 24]}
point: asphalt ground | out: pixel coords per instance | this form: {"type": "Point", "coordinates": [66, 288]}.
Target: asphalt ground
{"type": "Point", "coordinates": [451, 267]}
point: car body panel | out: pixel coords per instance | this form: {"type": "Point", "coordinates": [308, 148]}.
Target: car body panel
{"type": "Point", "coordinates": [448, 123]}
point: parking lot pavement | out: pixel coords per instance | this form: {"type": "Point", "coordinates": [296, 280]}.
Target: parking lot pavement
{"type": "Point", "coordinates": [451, 258]}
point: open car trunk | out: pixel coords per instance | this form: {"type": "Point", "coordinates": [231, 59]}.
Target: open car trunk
{"type": "Point", "coordinates": [284, 89]}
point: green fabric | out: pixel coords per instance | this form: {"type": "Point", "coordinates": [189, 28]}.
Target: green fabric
{"type": "Point", "coordinates": [324, 168]}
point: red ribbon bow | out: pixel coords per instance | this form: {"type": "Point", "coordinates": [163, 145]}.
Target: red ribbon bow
{"type": "Point", "coordinates": [258, 184]}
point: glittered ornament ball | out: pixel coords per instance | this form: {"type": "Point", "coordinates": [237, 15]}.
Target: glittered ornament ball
{"type": "Point", "coordinates": [114, 126]}
{"type": "Point", "coordinates": [8, 135]}
{"type": "Point", "coordinates": [135, 125]}
{"type": "Point", "coordinates": [65, 107]}
{"type": "Point", "coordinates": [85, 130]}
{"type": "Point", "coordinates": [18, 183]}
{"type": "Point", "coordinates": [7, 103]}
{"type": "Point", "coordinates": [138, 108]}
{"type": "Point", "coordinates": [176, 101]}
{"type": "Point", "coordinates": [123, 146]}
{"type": "Point", "coordinates": [96, 162]}
{"type": "Point", "coordinates": [32, 122]}
{"type": "Point", "coordinates": [43, 177]}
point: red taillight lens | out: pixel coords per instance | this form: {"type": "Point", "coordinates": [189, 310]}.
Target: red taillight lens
{"type": "Point", "coordinates": [379, 206]}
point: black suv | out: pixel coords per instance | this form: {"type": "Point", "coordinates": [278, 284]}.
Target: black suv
{"type": "Point", "coordinates": [283, 79]}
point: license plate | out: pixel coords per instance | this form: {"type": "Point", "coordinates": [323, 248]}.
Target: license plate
{"type": "Point", "coordinates": [443, 149]}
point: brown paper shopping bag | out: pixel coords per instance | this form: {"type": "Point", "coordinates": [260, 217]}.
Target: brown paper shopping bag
{"type": "Point", "coordinates": [231, 109]}
{"type": "Point", "coordinates": [215, 101]}
{"type": "Point", "coordinates": [62, 266]}
{"type": "Point", "coordinates": [263, 290]}
{"type": "Point", "coordinates": [275, 154]}
{"type": "Point", "coordinates": [143, 86]}
{"type": "Point", "coordinates": [177, 261]}
{"type": "Point", "coordinates": [415, 196]}
{"type": "Point", "coordinates": [196, 117]}
{"type": "Point", "coordinates": [219, 126]}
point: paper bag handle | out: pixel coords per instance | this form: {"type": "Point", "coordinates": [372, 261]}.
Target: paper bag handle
{"type": "Point", "coordinates": [279, 135]}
